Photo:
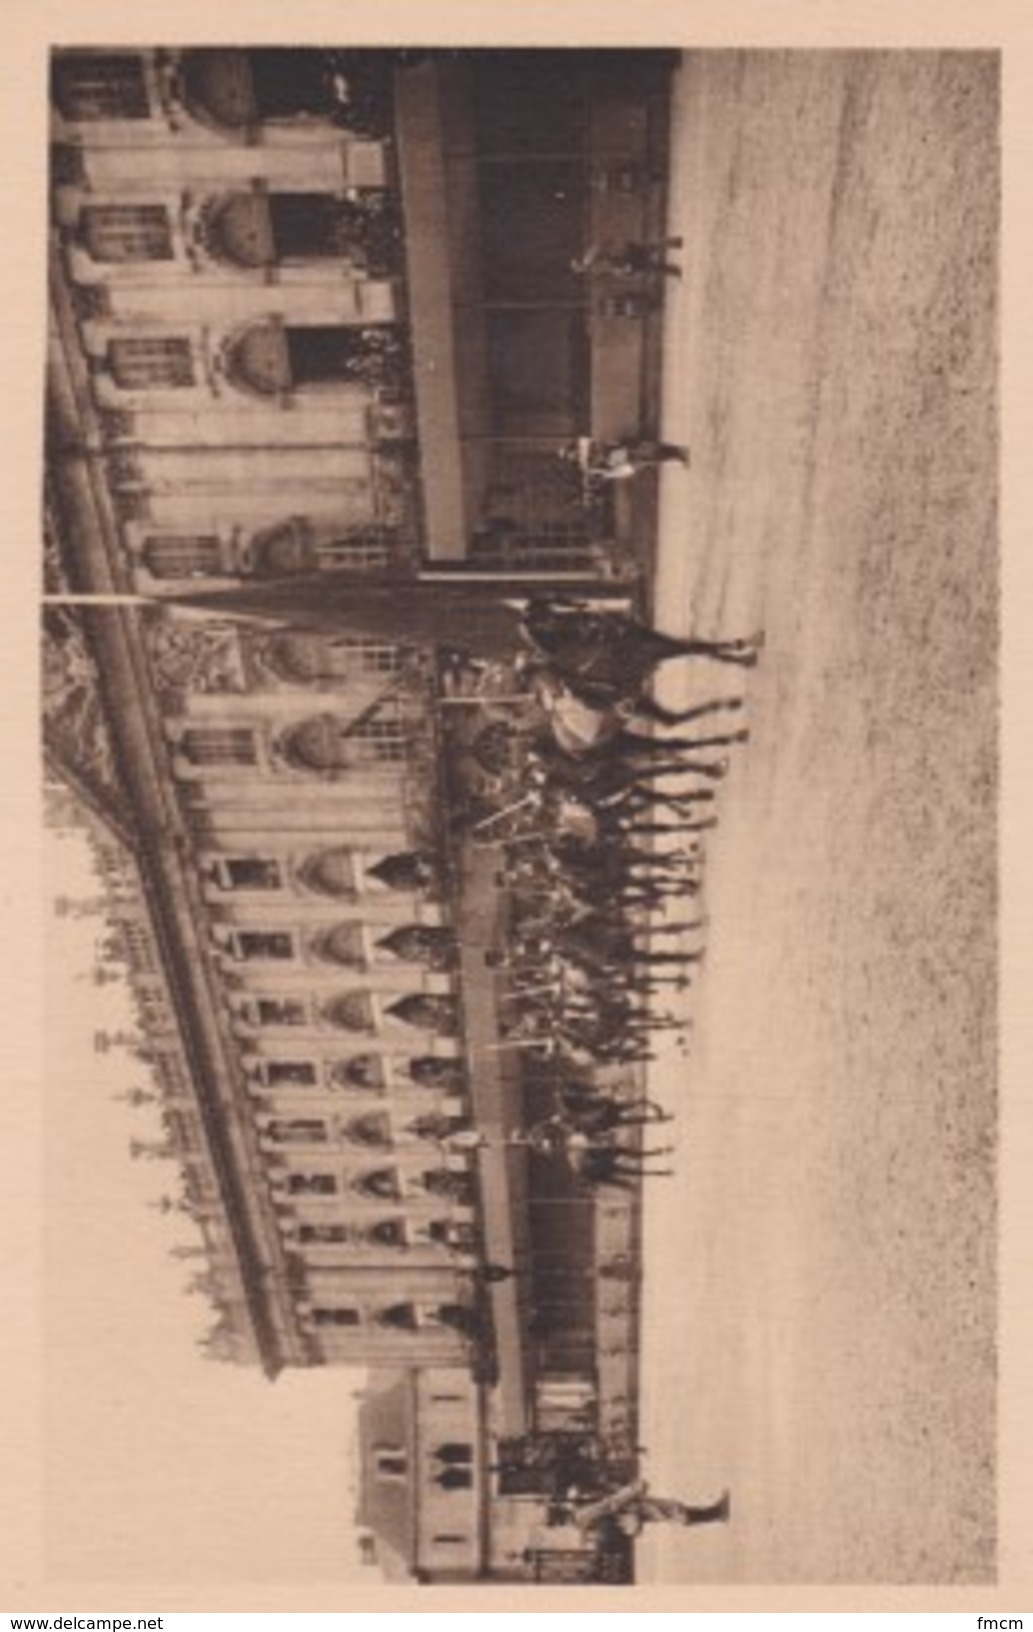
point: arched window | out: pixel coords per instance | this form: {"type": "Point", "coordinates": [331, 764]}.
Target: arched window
{"type": "Point", "coordinates": [325, 658]}
{"type": "Point", "coordinates": [259, 229]}
{"type": "Point", "coordinates": [325, 744]}
{"type": "Point", "coordinates": [218, 88]}
{"type": "Point", "coordinates": [292, 546]}
{"type": "Point", "coordinates": [314, 226]}
{"type": "Point", "coordinates": [238, 90]}
{"type": "Point", "coordinates": [278, 551]}
{"type": "Point", "coordinates": [310, 659]}
{"type": "Point", "coordinates": [273, 358]}
{"type": "Point", "coordinates": [324, 353]}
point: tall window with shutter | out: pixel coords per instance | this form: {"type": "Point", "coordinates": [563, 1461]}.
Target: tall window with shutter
{"type": "Point", "coordinates": [127, 232]}
{"type": "Point", "coordinates": [219, 745]}
{"type": "Point", "coordinates": [100, 85]}
{"type": "Point", "coordinates": [172, 555]}
{"type": "Point", "coordinates": [247, 873]}
{"type": "Point", "coordinates": [263, 945]}
{"type": "Point", "coordinates": [155, 362]}
{"type": "Point", "coordinates": [335, 1315]}
{"type": "Point", "coordinates": [383, 736]}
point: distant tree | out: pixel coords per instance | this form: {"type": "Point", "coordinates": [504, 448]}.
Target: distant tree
{"type": "Point", "coordinates": [67, 906]}
{"type": "Point", "coordinates": [137, 1097]}
{"type": "Point", "coordinates": [169, 1204]}
{"type": "Point", "coordinates": [203, 1283]}
{"type": "Point", "coordinates": [105, 1041]}
{"type": "Point", "coordinates": [151, 1150]}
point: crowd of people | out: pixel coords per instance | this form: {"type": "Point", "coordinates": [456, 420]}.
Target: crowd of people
{"type": "Point", "coordinates": [596, 833]}
{"type": "Point", "coordinates": [585, 804]}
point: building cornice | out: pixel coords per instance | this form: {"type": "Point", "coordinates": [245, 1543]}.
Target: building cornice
{"type": "Point", "coordinates": [149, 818]}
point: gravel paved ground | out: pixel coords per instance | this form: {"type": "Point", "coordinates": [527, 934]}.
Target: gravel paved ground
{"type": "Point", "coordinates": [820, 1276]}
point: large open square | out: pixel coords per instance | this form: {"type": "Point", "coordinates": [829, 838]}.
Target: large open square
{"type": "Point", "coordinates": [831, 359]}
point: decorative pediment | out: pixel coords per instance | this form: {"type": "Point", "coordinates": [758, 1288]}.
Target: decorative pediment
{"type": "Point", "coordinates": [195, 657]}
{"type": "Point", "coordinates": [361, 1071]}
{"type": "Point", "coordinates": [352, 1011]}
{"type": "Point", "coordinates": [218, 89]}
{"type": "Point", "coordinates": [330, 872]}
{"type": "Point", "coordinates": [259, 360]}
{"type": "Point", "coordinates": [76, 736]}
{"type": "Point", "coordinates": [373, 1129]}
{"type": "Point", "coordinates": [238, 229]}
{"type": "Point", "coordinates": [278, 551]}
{"type": "Point", "coordinates": [343, 944]}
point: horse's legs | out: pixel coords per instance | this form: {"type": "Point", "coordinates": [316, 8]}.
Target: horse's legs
{"type": "Point", "coordinates": [713, 769]}
{"type": "Point", "coordinates": [678, 929]}
{"type": "Point", "coordinates": [631, 1116]}
{"type": "Point", "coordinates": [743, 652]}
{"type": "Point", "coordinates": [656, 983]}
{"type": "Point", "coordinates": [670, 827]}
{"type": "Point", "coordinates": [652, 1111]}
{"type": "Point", "coordinates": [667, 866]}
{"type": "Point", "coordinates": [683, 804]}
{"type": "Point", "coordinates": [638, 742]}
{"type": "Point", "coordinates": [621, 1181]}
{"type": "Point", "coordinates": [650, 709]}
{"type": "Point", "coordinates": [656, 773]}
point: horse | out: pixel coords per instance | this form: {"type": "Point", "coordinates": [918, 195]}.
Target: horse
{"type": "Point", "coordinates": [596, 943]}
{"type": "Point", "coordinates": [598, 1113]}
{"type": "Point", "coordinates": [584, 714]}
{"type": "Point", "coordinates": [584, 646]}
{"type": "Point", "coordinates": [620, 1166]}
{"type": "Point", "coordinates": [621, 756]}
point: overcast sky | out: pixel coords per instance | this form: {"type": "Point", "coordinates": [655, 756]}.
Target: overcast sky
{"type": "Point", "coordinates": [160, 1464]}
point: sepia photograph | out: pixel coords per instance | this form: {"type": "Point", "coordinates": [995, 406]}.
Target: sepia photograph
{"type": "Point", "coordinates": [520, 670]}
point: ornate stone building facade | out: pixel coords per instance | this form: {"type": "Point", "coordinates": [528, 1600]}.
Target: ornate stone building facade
{"type": "Point", "coordinates": [313, 311]}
